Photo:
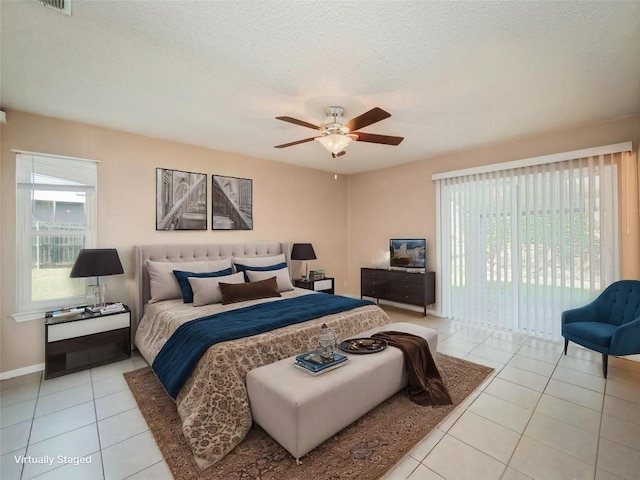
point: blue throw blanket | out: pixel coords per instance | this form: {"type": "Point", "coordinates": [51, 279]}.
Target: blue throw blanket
{"type": "Point", "coordinates": [180, 354]}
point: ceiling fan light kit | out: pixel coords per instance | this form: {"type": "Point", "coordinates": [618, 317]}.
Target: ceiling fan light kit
{"type": "Point", "coordinates": [336, 142]}
{"type": "Point", "coordinates": [336, 134]}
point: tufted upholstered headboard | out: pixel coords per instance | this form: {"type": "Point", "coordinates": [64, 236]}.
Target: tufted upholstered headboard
{"type": "Point", "coordinates": [187, 252]}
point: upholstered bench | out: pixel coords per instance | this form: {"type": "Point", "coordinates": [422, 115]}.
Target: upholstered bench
{"type": "Point", "coordinates": [301, 411]}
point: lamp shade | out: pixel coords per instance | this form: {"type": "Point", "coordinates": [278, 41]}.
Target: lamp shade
{"type": "Point", "coordinates": [96, 262]}
{"type": "Point", "coordinates": [303, 251]}
{"type": "Point", "coordinates": [335, 143]}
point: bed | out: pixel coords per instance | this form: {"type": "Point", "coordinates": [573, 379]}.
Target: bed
{"type": "Point", "coordinates": [213, 404]}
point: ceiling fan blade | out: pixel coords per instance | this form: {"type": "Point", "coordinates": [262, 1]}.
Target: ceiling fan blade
{"type": "Point", "coordinates": [291, 144]}
{"type": "Point", "coordinates": [373, 138]}
{"type": "Point", "coordinates": [302, 123]}
{"type": "Point", "coordinates": [339, 154]}
{"type": "Point", "coordinates": [372, 116]}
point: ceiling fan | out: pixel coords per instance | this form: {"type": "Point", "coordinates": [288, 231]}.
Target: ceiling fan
{"type": "Point", "coordinates": [336, 134]}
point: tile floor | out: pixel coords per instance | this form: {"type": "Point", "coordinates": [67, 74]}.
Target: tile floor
{"type": "Point", "coordinates": [541, 415]}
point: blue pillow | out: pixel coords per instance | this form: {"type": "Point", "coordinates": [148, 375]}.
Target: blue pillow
{"type": "Point", "coordinates": [243, 268]}
{"type": "Point", "coordinates": [185, 286]}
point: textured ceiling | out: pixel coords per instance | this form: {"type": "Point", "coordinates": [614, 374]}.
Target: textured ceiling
{"type": "Point", "coordinates": [454, 76]}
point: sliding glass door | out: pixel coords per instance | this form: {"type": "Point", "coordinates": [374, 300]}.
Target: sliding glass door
{"type": "Point", "coordinates": [519, 246]}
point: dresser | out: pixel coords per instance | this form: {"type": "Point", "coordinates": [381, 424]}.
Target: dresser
{"type": "Point", "coordinates": [399, 286]}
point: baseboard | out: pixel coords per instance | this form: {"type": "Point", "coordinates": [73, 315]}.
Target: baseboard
{"type": "Point", "coordinates": [413, 308]}
{"type": "Point", "coordinates": [22, 371]}
{"type": "Point", "coordinates": [350, 295]}
{"type": "Point", "coordinates": [406, 306]}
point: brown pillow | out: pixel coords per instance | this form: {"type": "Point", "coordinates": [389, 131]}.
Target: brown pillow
{"type": "Point", "coordinates": [239, 292]}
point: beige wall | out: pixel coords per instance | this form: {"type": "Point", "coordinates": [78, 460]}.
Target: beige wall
{"type": "Point", "coordinates": [283, 208]}
{"type": "Point", "coordinates": [400, 201]}
{"type": "Point", "coordinates": [362, 211]}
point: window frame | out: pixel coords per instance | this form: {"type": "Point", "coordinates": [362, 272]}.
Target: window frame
{"type": "Point", "coordinates": [26, 308]}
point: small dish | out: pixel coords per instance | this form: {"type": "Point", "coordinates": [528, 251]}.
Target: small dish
{"type": "Point", "coordinates": [363, 345]}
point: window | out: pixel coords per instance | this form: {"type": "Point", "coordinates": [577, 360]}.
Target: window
{"type": "Point", "coordinates": [55, 218]}
{"type": "Point", "coordinates": [520, 245]}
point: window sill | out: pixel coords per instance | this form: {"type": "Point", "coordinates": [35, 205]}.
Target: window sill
{"type": "Point", "coordinates": [27, 316]}
{"type": "Point", "coordinates": [38, 310]}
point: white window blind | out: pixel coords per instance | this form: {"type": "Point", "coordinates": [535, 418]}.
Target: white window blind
{"type": "Point", "coordinates": [518, 246]}
{"type": "Point", "coordinates": [56, 217]}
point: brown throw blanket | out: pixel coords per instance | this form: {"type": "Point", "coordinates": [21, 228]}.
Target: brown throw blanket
{"type": "Point", "coordinates": [425, 383]}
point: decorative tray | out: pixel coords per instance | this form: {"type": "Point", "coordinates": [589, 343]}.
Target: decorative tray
{"type": "Point", "coordinates": [363, 345]}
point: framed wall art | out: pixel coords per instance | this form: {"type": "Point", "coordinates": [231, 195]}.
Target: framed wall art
{"type": "Point", "coordinates": [232, 203]}
{"type": "Point", "coordinates": [181, 200]}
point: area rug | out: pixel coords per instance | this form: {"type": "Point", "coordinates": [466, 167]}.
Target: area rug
{"type": "Point", "coordinates": [365, 450]}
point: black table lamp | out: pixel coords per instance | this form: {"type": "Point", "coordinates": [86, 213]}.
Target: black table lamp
{"type": "Point", "coordinates": [304, 252]}
{"type": "Point", "coordinates": [97, 262]}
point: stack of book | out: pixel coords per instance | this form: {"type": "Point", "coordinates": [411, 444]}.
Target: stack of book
{"type": "Point", "coordinates": [71, 313]}
{"type": "Point", "coordinates": [314, 364]}
{"type": "Point", "coordinates": [316, 274]}
{"type": "Point", "coordinates": [112, 308]}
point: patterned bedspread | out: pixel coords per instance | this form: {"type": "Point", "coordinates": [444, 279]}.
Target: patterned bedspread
{"type": "Point", "coordinates": [213, 404]}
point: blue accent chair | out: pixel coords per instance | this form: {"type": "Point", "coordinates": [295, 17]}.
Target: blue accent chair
{"type": "Point", "coordinates": [609, 325]}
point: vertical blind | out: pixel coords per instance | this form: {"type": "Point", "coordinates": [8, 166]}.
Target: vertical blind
{"type": "Point", "coordinates": [518, 246]}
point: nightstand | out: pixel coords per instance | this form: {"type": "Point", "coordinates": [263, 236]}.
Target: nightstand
{"type": "Point", "coordinates": [86, 340]}
{"type": "Point", "coordinates": [319, 284]}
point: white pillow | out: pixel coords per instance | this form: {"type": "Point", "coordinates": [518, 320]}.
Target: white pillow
{"type": "Point", "coordinates": [163, 283]}
{"type": "Point", "coordinates": [260, 261]}
{"type": "Point", "coordinates": [282, 277]}
{"type": "Point", "coordinates": [207, 290]}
